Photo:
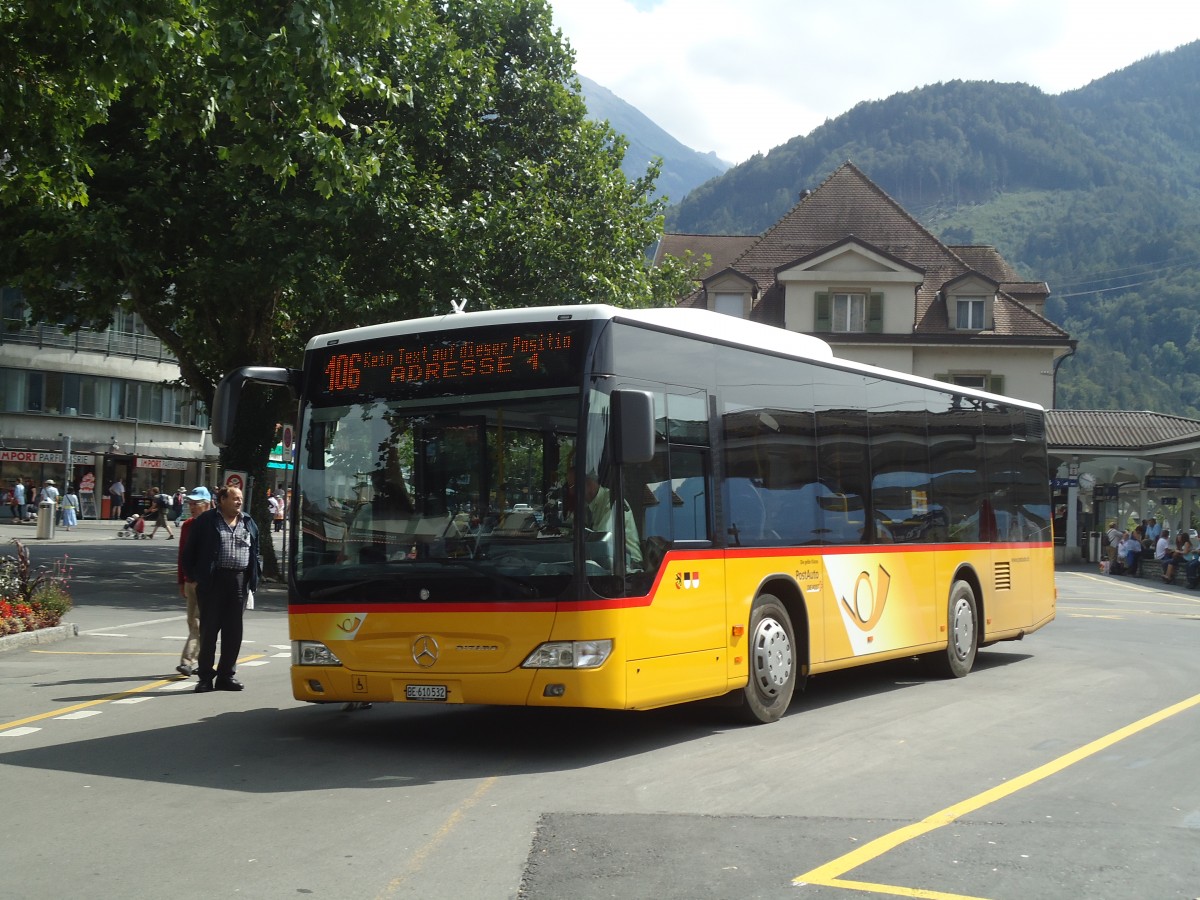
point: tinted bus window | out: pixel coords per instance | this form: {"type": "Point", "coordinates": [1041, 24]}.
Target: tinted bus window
{"type": "Point", "coordinates": [771, 492]}
{"type": "Point", "coordinates": [955, 436]}
{"type": "Point", "coordinates": [901, 510]}
{"type": "Point", "coordinates": [1032, 488]}
{"type": "Point", "coordinates": [843, 466]}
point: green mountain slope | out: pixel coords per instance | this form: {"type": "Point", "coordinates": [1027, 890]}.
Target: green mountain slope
{"type": "Point", "coordinates": [1096, 191]}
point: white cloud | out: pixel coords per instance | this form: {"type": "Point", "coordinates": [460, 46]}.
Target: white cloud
{"type": "Point", "coordinates": [743, 77]}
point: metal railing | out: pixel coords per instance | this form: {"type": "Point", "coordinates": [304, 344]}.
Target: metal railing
{"type": "Point", "coordinates": [87, 340]}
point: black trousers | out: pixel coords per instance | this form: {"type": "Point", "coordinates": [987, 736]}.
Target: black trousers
{"type": "Point", "coordinates": [221, 614]}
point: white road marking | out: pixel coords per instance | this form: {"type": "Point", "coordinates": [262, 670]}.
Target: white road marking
{"type": "Point", "coordinates": [139, 624]}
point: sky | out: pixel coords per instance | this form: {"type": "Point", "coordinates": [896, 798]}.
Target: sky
{"type": "Point", "coordinates": [739, 77]}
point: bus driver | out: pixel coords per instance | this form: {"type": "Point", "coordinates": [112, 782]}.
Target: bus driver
{"type": "Point", "coordinates": [598, 511]}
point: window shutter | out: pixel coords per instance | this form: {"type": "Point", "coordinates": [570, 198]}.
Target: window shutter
{"type": "Point", "coordinates": [875, 314]}
{"type": "Point", "coordinates": [824, 319]}
{"type": "Point", "coordinates": [995, 384]}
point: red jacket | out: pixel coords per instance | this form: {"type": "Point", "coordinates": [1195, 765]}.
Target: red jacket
{"type": "Point", "coordinates": [183, 536]}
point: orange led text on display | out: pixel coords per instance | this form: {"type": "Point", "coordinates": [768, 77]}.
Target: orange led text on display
{"type": "Point", "coordinates": [439, 361]}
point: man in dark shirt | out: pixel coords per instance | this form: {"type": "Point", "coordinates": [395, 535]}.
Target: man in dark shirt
{"type": "Point", "coordinates": [221, 556]}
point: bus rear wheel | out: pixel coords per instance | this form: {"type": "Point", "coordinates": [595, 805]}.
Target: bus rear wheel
{"type": "Point", "coordinates": [962, 638]}
{"type": "Point", "coordinates": [772, 662]}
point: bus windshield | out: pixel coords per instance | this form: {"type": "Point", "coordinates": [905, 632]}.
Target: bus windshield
{"type": "Point", "coordinates": [436, 500]}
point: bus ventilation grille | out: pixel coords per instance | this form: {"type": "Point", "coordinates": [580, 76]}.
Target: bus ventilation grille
{"type": "Point", "coordinates": [1003, 576]}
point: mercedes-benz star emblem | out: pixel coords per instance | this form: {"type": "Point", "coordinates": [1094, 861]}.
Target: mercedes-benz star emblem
{"type": "Point", "coordinates": [424, 650]}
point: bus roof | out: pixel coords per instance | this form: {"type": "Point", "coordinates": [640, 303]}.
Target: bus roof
{"type": "Point", "coordinates": [687, 322]}
{"type": "Point", "coordinates": [684, 321]}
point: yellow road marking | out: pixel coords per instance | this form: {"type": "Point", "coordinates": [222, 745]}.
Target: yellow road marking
{"type": "Point", "coordinates": [417, 860]}
{"type": "Point", "coordinates": [829, 875]}
{"type": "Point", "coordinates": [111, 697]}
{"type": "Point", "coordinates": [102, 653]}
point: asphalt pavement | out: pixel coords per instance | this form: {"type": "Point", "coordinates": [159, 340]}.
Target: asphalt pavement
{"type": "Point", "coordinates": [89, 530]}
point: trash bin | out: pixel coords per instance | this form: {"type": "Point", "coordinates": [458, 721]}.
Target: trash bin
{"type": "Point", "coordinates": [45, 523]}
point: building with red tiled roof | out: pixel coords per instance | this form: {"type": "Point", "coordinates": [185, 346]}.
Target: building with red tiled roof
{"type": "Point", "coordinates": [850, 265]}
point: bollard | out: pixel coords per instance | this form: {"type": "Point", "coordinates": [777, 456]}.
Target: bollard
{"type": "Point", "coordinates": [45, 522]}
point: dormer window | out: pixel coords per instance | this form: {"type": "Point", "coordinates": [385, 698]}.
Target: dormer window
{"type": "Point", "coordinates": [730, 304]}
{"type": "Point", "coordinates": [849, 312]}
{"type": "Point", "coordinates": [972, 314]}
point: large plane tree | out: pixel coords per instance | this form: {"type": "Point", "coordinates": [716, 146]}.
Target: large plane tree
{"type": "Point", "coordinates": [322, 174]}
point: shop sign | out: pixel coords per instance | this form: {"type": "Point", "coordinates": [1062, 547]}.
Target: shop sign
{"type": "Point", "coordinates": [42, 456]}
{"type": "Point", "coordinates": [143, 463]}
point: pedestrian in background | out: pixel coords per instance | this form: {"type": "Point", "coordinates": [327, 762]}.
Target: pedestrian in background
{"type": "Point", "coordinates": [198, 500]}
{"type": "Point", "coordinates": [221, 556]}
{"type": "Point", "coordinates": [116, 491]}
{"type": "Point", "coordinates": [69, 507]}
{"type": "Point", "coordinates": [275, 506]}
{"type": "Point", "coordinates": [159, 507]}
{"type": "Point", "coordinates": [18, 500]}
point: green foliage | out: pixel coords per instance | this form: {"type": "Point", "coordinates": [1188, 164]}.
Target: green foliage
{"type": "Point", "coordinates": [310, 166]}
{"type": "Point", "coordinates": [1094, 192]}
{"type": "Point", "coordinates": [281, 73]}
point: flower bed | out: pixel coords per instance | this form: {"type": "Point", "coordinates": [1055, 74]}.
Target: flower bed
{"type": "Point", "coordinates": [31, 598]}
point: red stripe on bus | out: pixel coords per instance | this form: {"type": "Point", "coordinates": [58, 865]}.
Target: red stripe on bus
{"type": "Point", "coordinates": [549, 606]}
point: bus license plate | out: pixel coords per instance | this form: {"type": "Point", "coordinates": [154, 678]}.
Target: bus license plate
{"type": "Point", "coordinates": [425, 692]}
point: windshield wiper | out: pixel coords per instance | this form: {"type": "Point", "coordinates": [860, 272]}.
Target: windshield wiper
{"type": "Point", "coordinates": [526, 590]}
{"type": "Point", "coordinates": [342, 588]}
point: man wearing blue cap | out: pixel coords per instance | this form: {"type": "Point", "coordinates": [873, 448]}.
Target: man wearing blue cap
{"type": "Point", "coordinates": [222, 558]}
{"type": "Point", "coordinates": [198, 501]}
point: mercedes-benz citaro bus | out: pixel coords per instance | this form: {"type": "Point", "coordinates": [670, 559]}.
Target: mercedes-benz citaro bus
{"type": "Point", "coordinates": [596, 507]}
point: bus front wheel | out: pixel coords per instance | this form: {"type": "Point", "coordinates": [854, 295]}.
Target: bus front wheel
{"type": "Point", "coordinates": [962, 627]}
{"type": "Point", "coordinates": [772, 662]}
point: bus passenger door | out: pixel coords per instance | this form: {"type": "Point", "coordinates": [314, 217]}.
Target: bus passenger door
{"type": "Point", "coordinates": [676, 642]}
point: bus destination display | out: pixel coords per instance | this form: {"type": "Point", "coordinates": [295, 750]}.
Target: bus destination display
{"type": "Point", "coordinates": [450, 363]}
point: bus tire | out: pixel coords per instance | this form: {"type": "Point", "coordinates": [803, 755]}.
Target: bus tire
{"type": "Point", "coordinates": [962, 633]}
{"type": "Point", "coordinates": [772, 662]}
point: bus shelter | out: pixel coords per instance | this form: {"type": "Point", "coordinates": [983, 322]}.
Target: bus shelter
{"type": "Point", "coordinates": [1119, 466]}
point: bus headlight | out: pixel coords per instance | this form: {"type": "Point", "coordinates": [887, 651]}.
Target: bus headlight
{"type": "Point", "coordinates": [569, 655]}
{"type": "Point", "coordinates": [313, 653]}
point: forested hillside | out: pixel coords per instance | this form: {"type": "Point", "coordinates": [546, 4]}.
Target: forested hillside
{"type": "Point", "coordinates": [1096, 191]}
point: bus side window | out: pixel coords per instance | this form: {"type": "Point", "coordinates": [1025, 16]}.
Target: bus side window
{"type": "Point", "coordinates": [674, 501]}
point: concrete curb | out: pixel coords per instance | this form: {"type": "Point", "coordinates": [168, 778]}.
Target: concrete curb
{"type": "Point", "coordinates": [41, 636]}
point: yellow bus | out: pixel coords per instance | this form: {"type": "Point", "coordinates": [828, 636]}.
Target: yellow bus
{"type": "Point", "coordinates": [594, 507]}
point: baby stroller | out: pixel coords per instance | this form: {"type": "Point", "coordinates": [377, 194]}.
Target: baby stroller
{"type": "Point", "coordinates": [135, 527]}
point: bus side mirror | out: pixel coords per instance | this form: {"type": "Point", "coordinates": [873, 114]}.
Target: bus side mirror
{"type": "Point", "coordinates": [634, 415]}
{"type": "Point", "coordinates": [225, 399]}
